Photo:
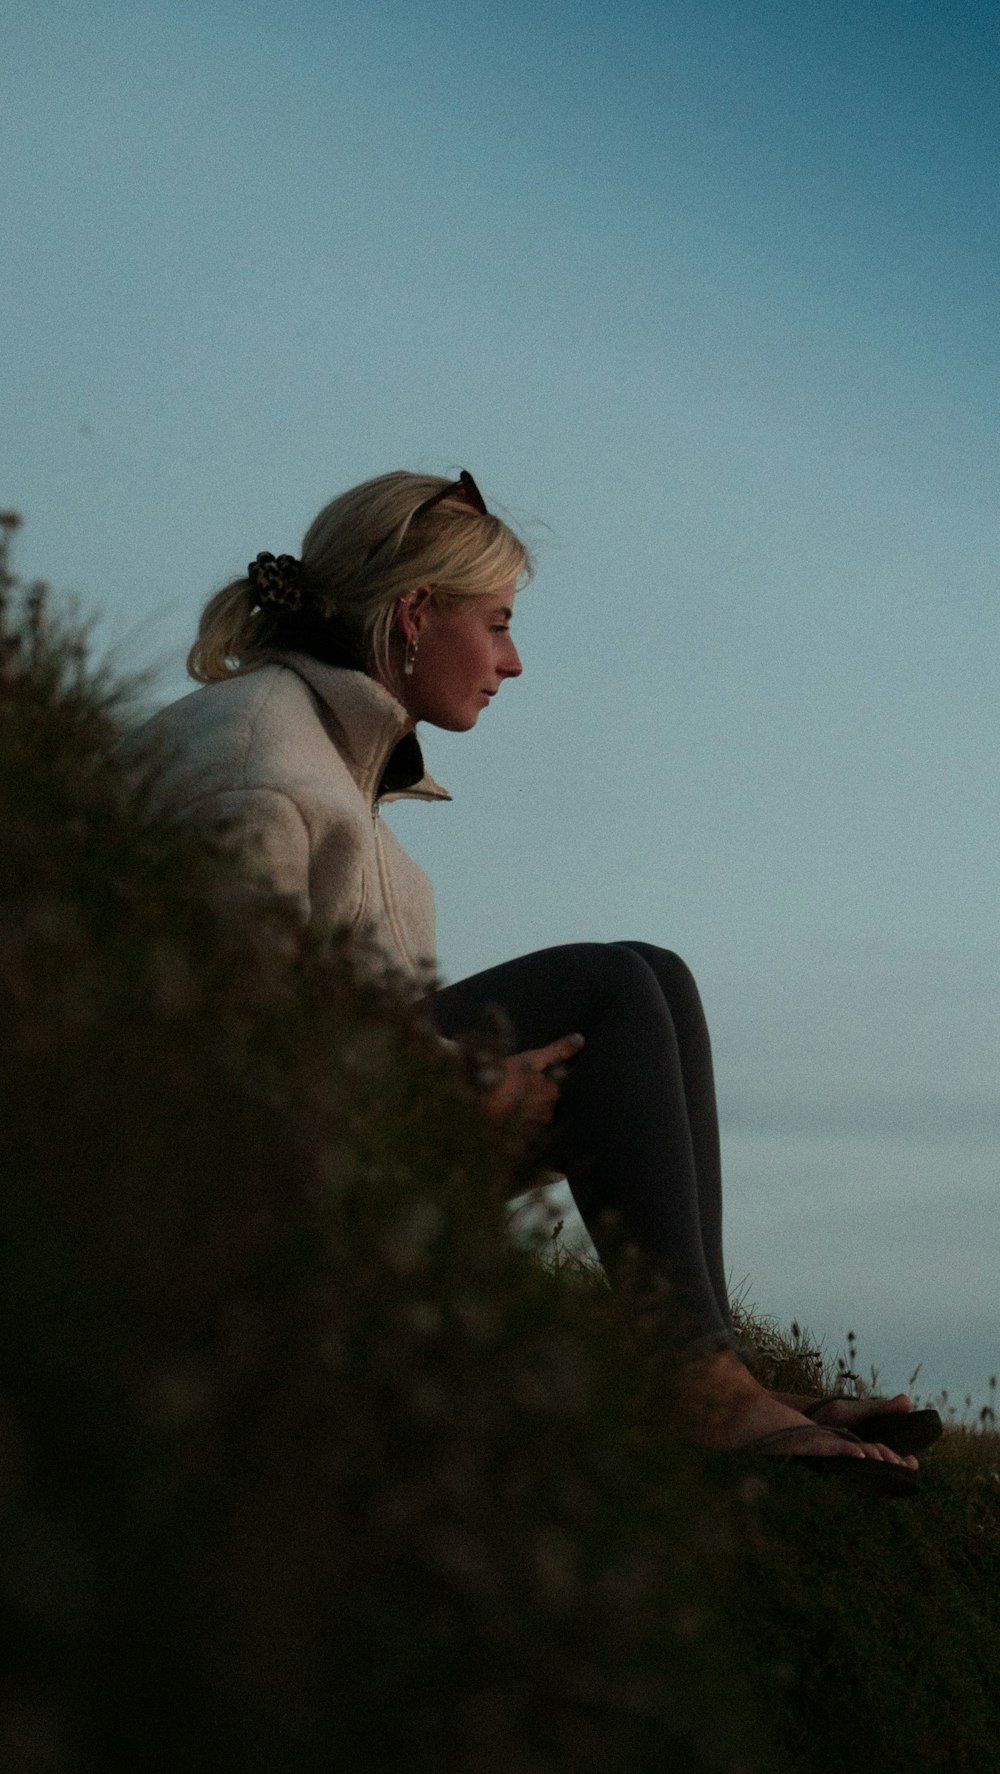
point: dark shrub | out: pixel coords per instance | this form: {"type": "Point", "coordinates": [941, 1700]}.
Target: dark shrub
{"type": "Point", "coordinates": [302, 1465]}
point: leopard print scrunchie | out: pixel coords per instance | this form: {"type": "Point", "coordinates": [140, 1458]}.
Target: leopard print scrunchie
{"type": "Point", "coordinates": [276, 580]}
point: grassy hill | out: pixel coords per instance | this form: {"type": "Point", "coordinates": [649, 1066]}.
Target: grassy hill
{"type": "Point", "coordinates": [302, 1464]}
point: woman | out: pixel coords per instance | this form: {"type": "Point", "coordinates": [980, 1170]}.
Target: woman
{"type": "Point", "coordinates": [316, 674]}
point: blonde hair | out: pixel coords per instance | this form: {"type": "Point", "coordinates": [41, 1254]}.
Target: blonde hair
{"type": "Point", "coordinates": [363, 551]}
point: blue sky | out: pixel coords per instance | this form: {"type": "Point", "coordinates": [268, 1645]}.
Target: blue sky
{"type": "Point", "coordinates": [706, 298]}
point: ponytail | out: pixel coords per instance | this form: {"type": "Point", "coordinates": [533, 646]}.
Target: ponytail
{"type": "Point", "coordinates": [233, 634]}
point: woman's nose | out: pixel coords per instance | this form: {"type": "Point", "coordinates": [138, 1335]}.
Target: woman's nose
{"type": "Point", "coordinates": [511, 665]}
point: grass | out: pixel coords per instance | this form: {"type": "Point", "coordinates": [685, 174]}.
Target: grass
{"type": "Point", "coordinates": [879, 1626]}
{"type": "Point", "coordinates": [303, 1464]}
{"type": "Point", "coordinates": [875, 1629]}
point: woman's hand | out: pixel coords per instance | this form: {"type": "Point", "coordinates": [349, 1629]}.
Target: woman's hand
{"type": "Point", "coordinates": [529, 1086]}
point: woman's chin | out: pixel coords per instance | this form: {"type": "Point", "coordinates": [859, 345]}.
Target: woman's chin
{"type": "Point", "coordinates": [454, 720]}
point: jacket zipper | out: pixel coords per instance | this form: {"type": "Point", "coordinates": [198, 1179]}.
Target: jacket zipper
{"type": "Point", "coordinates": [387, 897]}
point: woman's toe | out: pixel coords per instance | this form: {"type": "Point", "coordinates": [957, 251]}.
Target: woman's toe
{"type": "Point", "coordinates": [850, 1413]}
{"type": "Point", "coordinates": [891, 1457]}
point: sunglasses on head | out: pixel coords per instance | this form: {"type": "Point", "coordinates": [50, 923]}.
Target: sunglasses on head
{"type": "Point", "coordinates": [464, 487]}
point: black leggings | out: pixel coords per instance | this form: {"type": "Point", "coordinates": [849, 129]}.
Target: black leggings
{"type": "Point", "coordinates": [637, 1130]}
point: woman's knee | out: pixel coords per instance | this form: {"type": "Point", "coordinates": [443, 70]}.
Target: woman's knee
{"type": "Point", "coordinates": [677, 983]}
{"type": "Point", "coordinates": [611, 976]}
{"type": "Point", "coordinates": [668, 966]}
{"type": "Point", "coordinates": [627, 976]}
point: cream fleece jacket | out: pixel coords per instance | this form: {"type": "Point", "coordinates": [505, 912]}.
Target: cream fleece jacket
{"type": "Point", "coordinates": [292, 762]}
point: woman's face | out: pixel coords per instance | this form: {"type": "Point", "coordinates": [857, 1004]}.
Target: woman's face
{"type": "Point", "coordinates": [464, 653]}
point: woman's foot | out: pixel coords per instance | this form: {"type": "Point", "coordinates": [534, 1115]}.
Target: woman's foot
{"type": "Point", "coordinates": [892, 1422]}
{"type": "Point", "coordinates": [716, 1403]}
{"type": "Point", "coordinates": [845, 1413]}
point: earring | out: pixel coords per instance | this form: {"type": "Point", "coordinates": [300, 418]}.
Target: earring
{"type": "Point", "coordinates": [411, 659]}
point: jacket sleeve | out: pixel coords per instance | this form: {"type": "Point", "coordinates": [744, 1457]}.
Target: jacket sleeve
{"type": "Point", "coordinates": [271, 837]}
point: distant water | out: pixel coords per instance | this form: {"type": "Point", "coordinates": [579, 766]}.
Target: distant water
{"type": "Point", "coordinates": [893, 1238]}
{"type": "Point", "coordinates": [896, 1239]}
{"type": "Point", "coordinates": [860, 1107]}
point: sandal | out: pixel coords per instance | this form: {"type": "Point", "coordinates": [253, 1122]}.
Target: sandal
{"type": "Point", "coordinates": [878, 1478]}
{"type": "Point", "coordinates": [905, 1432]}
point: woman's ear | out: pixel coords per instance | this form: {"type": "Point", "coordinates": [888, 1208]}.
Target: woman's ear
{"type": "Point", "coordinates": [412, 612]}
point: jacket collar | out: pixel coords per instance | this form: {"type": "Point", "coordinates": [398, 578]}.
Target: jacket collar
{"type": "Point", "coordinates": [370, 729]}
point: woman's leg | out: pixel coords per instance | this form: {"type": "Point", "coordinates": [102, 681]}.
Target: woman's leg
{"type": "Point", "coordinates": [677, 983]}
{"type": "Point", "coordinates": [638, 1102]}
{"type": "Point", "coordinates": [624, 1129]}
